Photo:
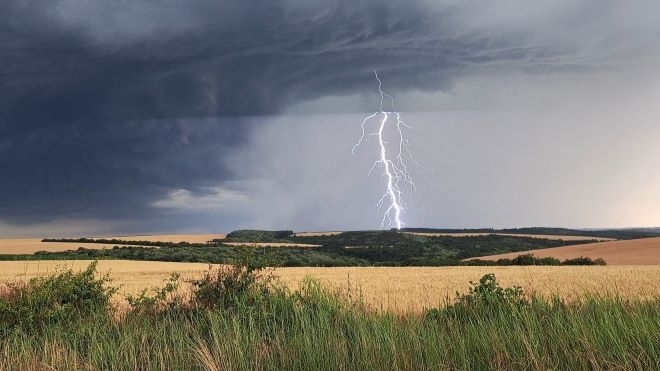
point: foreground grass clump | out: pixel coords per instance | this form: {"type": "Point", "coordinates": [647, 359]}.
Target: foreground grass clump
{"type": "Point", "coordinates": [235, 319]}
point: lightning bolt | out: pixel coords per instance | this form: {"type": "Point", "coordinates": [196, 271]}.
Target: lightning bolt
{"type": "Point", "coordinates": [399, 184]}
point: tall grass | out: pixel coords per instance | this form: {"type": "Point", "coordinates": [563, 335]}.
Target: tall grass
{"type": "Point", "coordinates": [487, 328]}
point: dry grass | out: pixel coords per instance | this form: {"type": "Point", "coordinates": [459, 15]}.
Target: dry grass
{"type": "Point", "coordinates": [544, 236]}
{"type": "Point", "coordinates": [644, 251]}
{"type": "Point", "coordinates": [393, 289]}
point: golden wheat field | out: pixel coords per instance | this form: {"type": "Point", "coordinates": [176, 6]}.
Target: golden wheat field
{"type": "Point", "coordinates": [32, 245]}
{"type": "Point", "coordinates": [386, 288]}
{"type": "Point", "coordinates": [645, 251]}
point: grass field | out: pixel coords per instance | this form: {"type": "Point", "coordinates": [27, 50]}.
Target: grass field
{"type": "Point", "coordinates": [66, 322]}
{"type": "Point", "coordinates": [645, 251]}
{"type": "Point", "coordinates": [386, 288]}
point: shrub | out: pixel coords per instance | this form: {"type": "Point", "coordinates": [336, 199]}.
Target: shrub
{"type": "Point", "coordinates": [63, 298]}
{"type": "Point", "coordinates": [584, 261]}
{"type": "Point", "coordinates": [484, 296]}
{"type": "Point", "coordinates": [530, 259]}
{"type": "Point", "coordinates": [230, 286]}
{"type": "Point", "coordinates": [160, 300]}
{"type": "Point", "coordinates": [488, 291]}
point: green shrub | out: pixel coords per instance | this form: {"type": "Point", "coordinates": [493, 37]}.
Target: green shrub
{"type": "Point", "coordinates": [160, 299]}
{"type": "Point", "coordinates": [529, 259]}
{"type": "Point", "coordinates": [230, 286]}
{"type": "Point", "coordinates": [63, 298]}
{"type": "Point", "coordinates": [483, 297]}
{"type": "Point", "coordinates": [488, 291]}
{"type": "Point", "coordinates": [584, 261]}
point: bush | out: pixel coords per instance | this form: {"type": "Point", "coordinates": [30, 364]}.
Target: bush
{"type": "Point", "coordinates": [161, 299]}
{"type": "Point", "coordinates": [63, 298]}
{"type": "Point", "coordinates": [530, 259]}
{"type": "Point", "coordinates": [484, 296]}
{"type": "Point", "coordinates": [230, 286]}
{"type": "Point", "coordinates": [584, 261]}
{"type": "Point", "coordinates": [488, 291]}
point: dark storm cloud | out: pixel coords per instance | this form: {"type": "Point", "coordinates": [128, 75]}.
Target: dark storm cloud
{"type": "Point", "coordinates": [105, 106]}
{"type": "Point", "coordinates": [69, 61]}
{"type": "Point", "coordinates": [112, 170]}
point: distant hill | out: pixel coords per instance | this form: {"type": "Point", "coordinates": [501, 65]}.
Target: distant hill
{"type": "Point", "coordinates": [357, 248]}
{"type": "Point", "coordinates": [619, 234]}
{"type": "Point", "coordinates": [254, 235]}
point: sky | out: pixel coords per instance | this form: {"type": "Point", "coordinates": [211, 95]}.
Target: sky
{"type": "Point", "coordinates": [143, 116]}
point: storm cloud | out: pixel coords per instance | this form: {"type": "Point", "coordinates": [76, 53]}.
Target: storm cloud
{"type": "Point", "coordinates": [115, 110]}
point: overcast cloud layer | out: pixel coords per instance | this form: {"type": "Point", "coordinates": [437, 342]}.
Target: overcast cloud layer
{"type": "Point", "coordinates": [171, 115]}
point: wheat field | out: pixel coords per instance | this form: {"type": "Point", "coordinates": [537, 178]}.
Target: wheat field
{"type": "Point", "coordinates": [397, 289]}
{"type": "Point", "coordinates": [644, 251]}
{"type": "Point", "coordinates": [32, 245]}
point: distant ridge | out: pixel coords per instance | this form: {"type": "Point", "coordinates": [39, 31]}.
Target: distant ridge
{"type": "Point", "coordinates": [619, 234]}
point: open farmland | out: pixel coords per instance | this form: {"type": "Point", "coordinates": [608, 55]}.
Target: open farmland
{"type": "Point", "coordinates": [255, 327]}
{"type": "Point", "coordinates": [644, 251]}
{"type": "Point", "coordinates": [131, 277]}
{"type": "Point", "coordinates": [32, 245]}
{"type": "Point", "coordinates": [415, 288]}
{"type": "Point", "coordinates": [397, 289]}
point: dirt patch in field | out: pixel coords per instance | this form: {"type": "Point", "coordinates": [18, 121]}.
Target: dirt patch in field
{"type": "Point", "coordinates": [645, 251]}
